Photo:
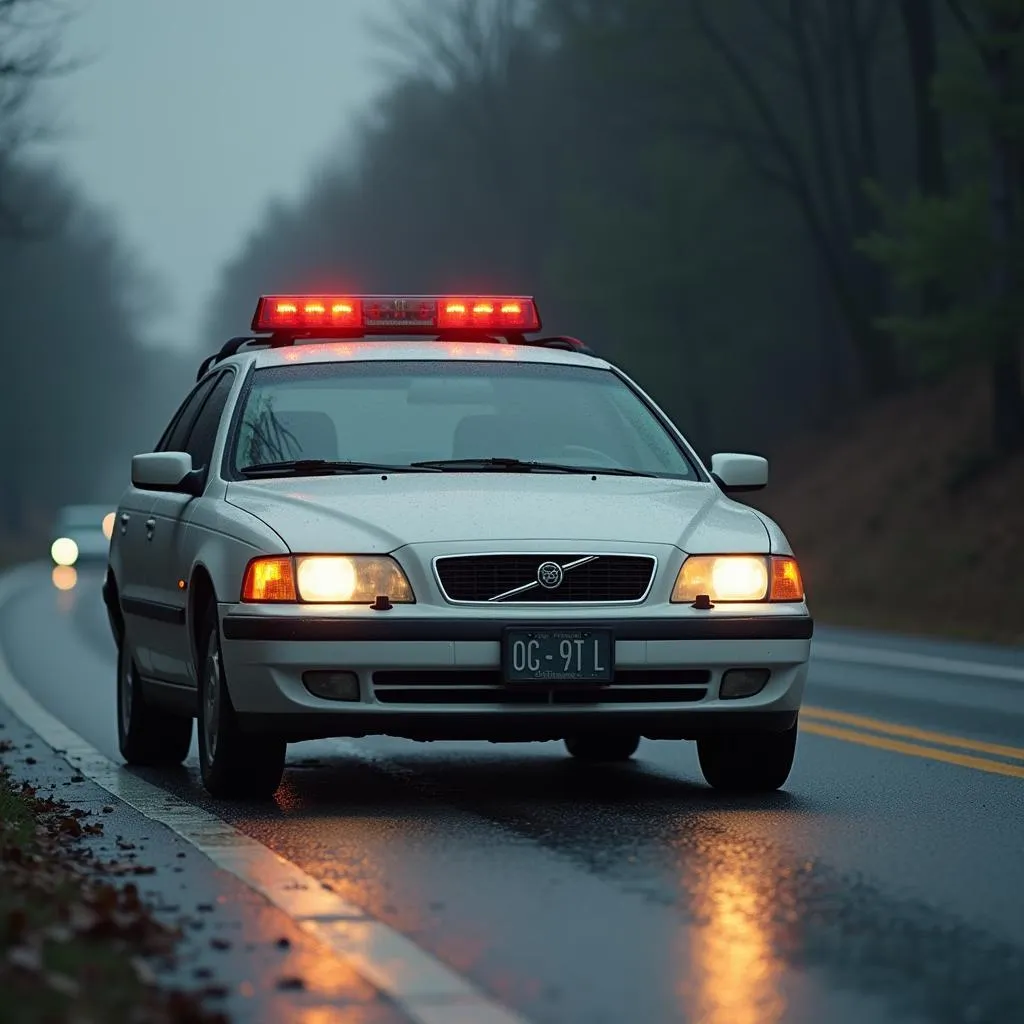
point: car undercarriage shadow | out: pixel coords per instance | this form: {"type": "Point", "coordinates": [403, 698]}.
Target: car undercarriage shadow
{"type": "Point", "coordinates": [413, 778]}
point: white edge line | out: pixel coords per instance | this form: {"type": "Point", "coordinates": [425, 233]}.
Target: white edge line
{"type": "Point", "coordinates": [420, 985]}
{"type": "Point", "coordinates": [919, 662]}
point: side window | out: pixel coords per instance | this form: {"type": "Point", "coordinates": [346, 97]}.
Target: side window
{"type": "Point", "coordinates": [177, 432]}
{"type": "Point", "coordinates": [203, 435]}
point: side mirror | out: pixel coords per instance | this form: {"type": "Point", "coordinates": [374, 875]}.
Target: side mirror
{"type": "Point", "coordinates": [165, 471]}
{"type": "Point", "coordinates": [735, 473]}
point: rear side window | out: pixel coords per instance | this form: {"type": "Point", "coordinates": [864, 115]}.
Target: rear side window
{"type": "Point", "coordinates": [203, 435]}
{"type": "Point", "coordinates": [177, 432]}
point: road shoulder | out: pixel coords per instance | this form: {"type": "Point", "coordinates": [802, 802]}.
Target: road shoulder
{"type": "Point", "coordinates": [236, 947]}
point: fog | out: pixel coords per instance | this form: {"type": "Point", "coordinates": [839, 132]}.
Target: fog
{"type": "Point", "coordinates": [758, 209]}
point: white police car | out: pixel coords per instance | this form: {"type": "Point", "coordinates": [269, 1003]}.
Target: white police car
{"type": "Point", "coordinates": [408, 516]}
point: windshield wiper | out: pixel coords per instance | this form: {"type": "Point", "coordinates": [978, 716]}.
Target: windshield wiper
{"type": "Point", "coordinates": [324, 467]}
{"type": "Point", "coordinates": [500, 465]}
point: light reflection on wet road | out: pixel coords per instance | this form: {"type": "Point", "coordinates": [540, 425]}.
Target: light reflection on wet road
{"type": "Point", "coordinates": [880, 886]}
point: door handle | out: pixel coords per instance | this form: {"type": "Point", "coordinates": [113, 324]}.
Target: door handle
{"type": "Point", "coordinates": [124, 522]}
{"type": "Point", "coordinates": [150, 527]}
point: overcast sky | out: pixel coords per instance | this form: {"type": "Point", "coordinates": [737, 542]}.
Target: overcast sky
{"type": "Point", "coordinates": [192, 114]}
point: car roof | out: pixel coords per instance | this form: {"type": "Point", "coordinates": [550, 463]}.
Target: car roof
{"type": "Point", "coordinates": [386, 350]}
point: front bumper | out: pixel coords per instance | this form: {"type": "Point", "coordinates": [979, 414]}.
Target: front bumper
{"type": "Point", "coordinates": [433, 678]}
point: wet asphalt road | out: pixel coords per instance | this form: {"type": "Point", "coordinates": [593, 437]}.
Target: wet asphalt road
{"type": "Point", "coordinates": [884, 884]}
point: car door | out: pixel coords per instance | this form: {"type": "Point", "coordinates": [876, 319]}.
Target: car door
{"type": "Point", "coordinates": [127, 560]}
{"type": "Point", "coordinates": [143, 599]}
{"type": "Point", "coordinates": [171, 554]}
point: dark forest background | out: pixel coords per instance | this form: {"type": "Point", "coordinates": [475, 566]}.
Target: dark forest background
{"type": "Point", "coordinates": [80, 390]}
{"type": "Point", "coordinates": [773, 212]}
{"type": "Point", "coordinates": [781, 216]}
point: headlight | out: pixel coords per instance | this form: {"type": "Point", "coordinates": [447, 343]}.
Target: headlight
{"type": "Point", "coordinates": [108, 525]}
{"type": "Point", "coordinates": [326, 579]}
{"type": "Point", "coordinates": [64, 551]}
{"type": "Point", "coordinates": [738, 578]}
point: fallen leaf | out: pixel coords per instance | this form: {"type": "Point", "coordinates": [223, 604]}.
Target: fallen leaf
{"type": "Point", "coordinates": [59, 933]}
{"type": "Point", "coordinates": [63, 984]}
{"type": "Point", "coordinates": [28, 958]}
{"type": "Point", "coordinates": [82, 918]}
{"type": "Point", "coordinates": [17, 922]}
{"type": "Point", "coordinates": [143, 971]}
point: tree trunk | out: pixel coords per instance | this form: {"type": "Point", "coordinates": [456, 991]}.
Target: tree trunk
{"type": "Point", "coordinates": [919, 28]}
{"type": "Point", "coordinates": [1007, 381]}
{"type": "Point", "coordinates": [1004, 215]}
{"type": "Point", "coordinates": [932, 172]}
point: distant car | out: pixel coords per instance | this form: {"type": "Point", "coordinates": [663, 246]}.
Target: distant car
{"type": "Point", "coordinates": [460, 532]}
{"type": "Point", "coordinates": [82, 533]}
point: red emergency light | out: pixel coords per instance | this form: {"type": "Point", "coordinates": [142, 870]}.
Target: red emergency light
{"type": "Point", "coordinates": [354, 315]}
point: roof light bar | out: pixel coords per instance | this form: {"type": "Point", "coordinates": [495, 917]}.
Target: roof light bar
{"type": "Point", "coordinates": [396, 314]}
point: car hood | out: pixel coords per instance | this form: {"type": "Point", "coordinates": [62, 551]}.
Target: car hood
{"type": "Point", "coordinates": [368, 514]}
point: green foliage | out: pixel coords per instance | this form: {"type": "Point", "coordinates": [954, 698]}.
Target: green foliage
{"type": "Point", "coordinates": [939, 243]}
{"type": "Point", "coordinates": [961, 246]}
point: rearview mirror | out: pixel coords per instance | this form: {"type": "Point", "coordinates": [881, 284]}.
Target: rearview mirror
{"type": "Point", "coordinates": [734, 472]}
{"type": "Point", "coordinates": [165, 471]}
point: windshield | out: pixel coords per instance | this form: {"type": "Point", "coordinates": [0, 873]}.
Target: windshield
{"type": "Point", "coordinates": [400, 413]}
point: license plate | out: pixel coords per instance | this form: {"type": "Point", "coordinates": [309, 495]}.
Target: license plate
{"type": "Point", "coordinates": [558, 655]}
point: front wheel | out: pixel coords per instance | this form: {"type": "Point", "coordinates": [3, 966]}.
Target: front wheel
{"type": "Point", "coordinates": [603, 747]}
{"type": "Point", "coordinates": [748, 762]}
{"type": "Point", "coordinates": [148, 736]}
{"type": "Point", "coordinates": [233, 765]}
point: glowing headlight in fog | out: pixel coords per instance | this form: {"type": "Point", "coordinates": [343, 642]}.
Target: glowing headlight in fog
{"type": "Point", "coordinates": [64, 551]}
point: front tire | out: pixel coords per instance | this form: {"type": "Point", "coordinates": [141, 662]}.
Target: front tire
{"type": "Point", "coordinates": [603, 747]}
{"type": "Point", "coordinates": [233, 765]}
{"type": "Point", "coordinates": [148, 736]}
{"type": "Point", "coordinates": [748, 762]}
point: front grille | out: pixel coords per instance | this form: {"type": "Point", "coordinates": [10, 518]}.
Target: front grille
{"type": "Point", "coordinates": [513, 579]}
{"type": "Point", "coordinates": [487, 687]}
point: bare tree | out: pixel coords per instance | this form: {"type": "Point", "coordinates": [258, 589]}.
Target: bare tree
{"type": "Point", "coordinates": [996, 30]}
{"type": "Point", "coordinates": [30, 51]}
{"type": "Point", "coordinates": [824, 52]}
{"type": "Point", "coordinates": [481, 55]}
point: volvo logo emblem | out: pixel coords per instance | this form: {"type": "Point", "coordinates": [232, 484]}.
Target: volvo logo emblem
{"type": "Point", "coordinates": [550, 575]}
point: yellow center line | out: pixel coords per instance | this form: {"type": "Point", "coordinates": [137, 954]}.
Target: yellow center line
{"type": "Point", "coordinates": [981, 764]}
{"type": "Point", "coordinates": [912, 733]}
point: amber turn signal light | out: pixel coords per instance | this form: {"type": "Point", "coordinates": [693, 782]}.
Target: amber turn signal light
{"type": "Point", "coordinates": [269, 579]}
{"type": "Point", "coordinates": [787, 583]}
